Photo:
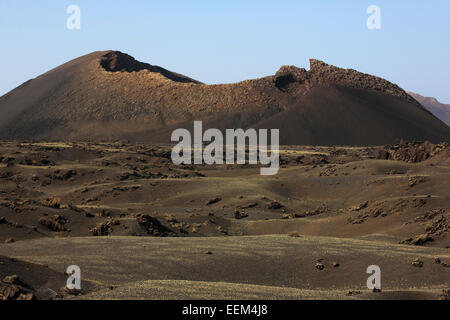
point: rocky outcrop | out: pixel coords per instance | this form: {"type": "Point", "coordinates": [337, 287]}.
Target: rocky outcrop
{"type": "Point", "coordinates": [412, 151]}
{"type": "Point", "coordinates": [321, 73]}
{"type": "Point", "coordinates": [289, 74]}
{"type": "Point", "coordinates": [116, 61]}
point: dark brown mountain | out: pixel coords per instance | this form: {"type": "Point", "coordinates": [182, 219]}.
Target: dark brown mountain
{"type": "Point", "coordinates": [440, 110]}
{"type": "Point", "coordinates": [109, 95]}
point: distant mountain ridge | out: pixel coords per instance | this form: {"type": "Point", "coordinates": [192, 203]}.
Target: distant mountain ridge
{"type": "Point", "coordinates": [108, 95]}
{"type": "Point", "coordinates": [440, 110]}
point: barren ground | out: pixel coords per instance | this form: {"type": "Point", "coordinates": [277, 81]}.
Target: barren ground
{"type": "Point", "coordinates": [142, 228]}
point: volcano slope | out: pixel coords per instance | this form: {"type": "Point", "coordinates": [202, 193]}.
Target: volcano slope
{"type": "Point", "coordinates": [111, 96]}
{"type": "Point", "coordinates": [140, 227]}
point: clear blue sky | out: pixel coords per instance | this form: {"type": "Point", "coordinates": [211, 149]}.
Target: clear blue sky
{"type": "Point", "coordinates": [226, 41]}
